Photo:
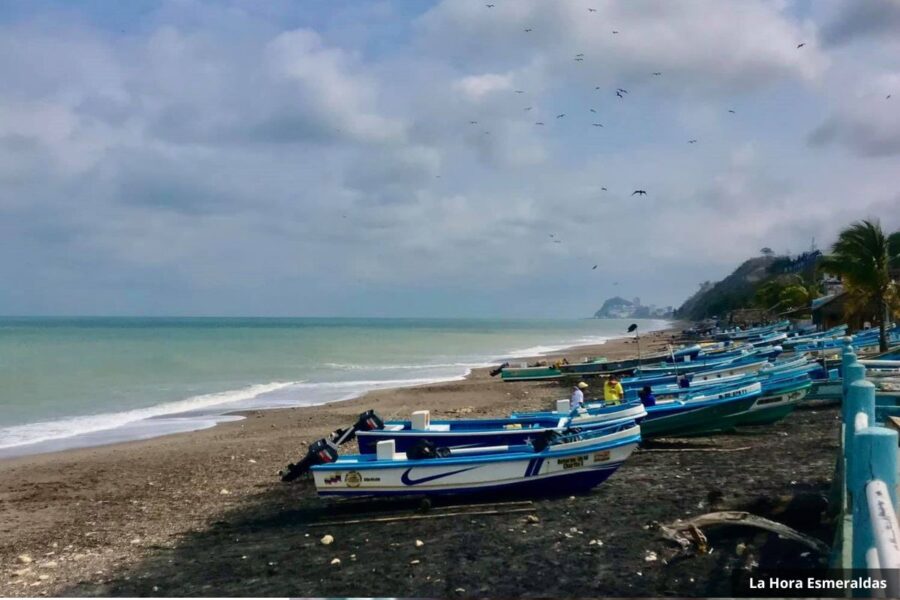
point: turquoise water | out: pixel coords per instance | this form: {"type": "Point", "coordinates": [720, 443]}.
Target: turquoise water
{"type": "Point", "coordinates": [84, 381]}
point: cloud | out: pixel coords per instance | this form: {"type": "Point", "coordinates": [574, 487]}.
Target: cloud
{"type": "Point", "coordinates": [862, 18]}
{"type": "Point", "coordinates": [233, 157]}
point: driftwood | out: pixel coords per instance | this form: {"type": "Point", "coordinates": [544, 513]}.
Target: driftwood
{"type": "Point", "coordinates": [476, 513]}
{"type": "Point", "coordinates": [687, 533]}
{"type": "Point", "coordinates": [742, 448]}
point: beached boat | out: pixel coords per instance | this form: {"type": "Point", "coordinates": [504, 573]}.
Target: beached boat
{"type": "Point", "coordinates": [698, 414]}
{"type": "Point", "coordinates": [568, 464]}
{"type": "Point", "coordinates": [517, 429]}
{"type": "Point", "coordinates": [538, 373]}
{"type": "Point", "coordinates": [776, 401]}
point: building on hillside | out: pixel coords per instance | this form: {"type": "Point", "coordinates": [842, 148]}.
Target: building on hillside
{"type": "Point", "coordinates": [830, 311]}
{"type": "Point", "coordinates": [747, 316]}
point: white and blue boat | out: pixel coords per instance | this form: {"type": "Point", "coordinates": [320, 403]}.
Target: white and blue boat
{"type": "Point", "coordinates": [565, 465]}
{"type": "Point", "coordinates": [469, 433]}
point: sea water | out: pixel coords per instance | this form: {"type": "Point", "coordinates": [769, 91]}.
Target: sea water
{"type": "Point", "coordinates": [74, 382]}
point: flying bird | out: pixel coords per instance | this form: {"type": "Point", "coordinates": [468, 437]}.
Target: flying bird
{"type": "Point", "coordinates": [614, 31]}
{"type": "Point", "coordinates": [639, 193]}
{"type": "Point", "coordinates": [593, 111]}
{"type": "Point", "coordinates": [732, 112]}
{"type": "Point", "coordinates": [592, 10]}
{"type": "Point", "coordinates": [520, 91]}
{"type": "Point", "coordinates": [489, 5]}
{"type": "Point", "coordinates": [597, 88]}
{"type": "Point", "coordinates": [624, 91]}
{"type": "Point", "coordinates": [619, 94]}
{"type": "Point", "coordinates": [657, 73]}
{"type": "Point", "coordinates": [528, 30]}
{"type": "Point", "coordinates": [692, 141]}
{"type": "Point", "coordinates": [597, 124]}
{"type": "Point", "coordinates": [473, 122]}
{"type": "Point", "coordinates": [801, 45]}
{"type": "Point", "coordinates": [888, 97]}
{"type": "Point", "coordinates": [603, 189]}
{"type": "Point", "coordinates": [539, 123]}
{"type": "Point", "coordinates": [527, 108]}
{"type": "Point", "coordinates": [551, 235]}
{"type": "Point", "coordinates": [594, 268]}
{"type": "Point", "coordinates": [560, 116]}
{"type": "Point", "coordinates": [579, 59]}
{"type": "Point", "coordinates": [580, 54]}
{"type": "Point", "coordinates": [557, 241]}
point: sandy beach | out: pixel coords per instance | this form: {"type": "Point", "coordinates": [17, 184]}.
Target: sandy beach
{"type": "Point", "coordinates": [204, 513]}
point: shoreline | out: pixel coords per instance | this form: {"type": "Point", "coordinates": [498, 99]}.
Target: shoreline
{"type": "Point", "coordinates": [100, 509]}
{"type": "Point", "coordinates": [200, 419]}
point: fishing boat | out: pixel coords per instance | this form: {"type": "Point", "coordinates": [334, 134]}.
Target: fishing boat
{"type": "Point", "coordinates": [778, 398]}
{"type": "Point", "coordinates": [564, 465]}
{"type": "Point", "coordinates": [517, 429]}
{"type": "Point", "coordinates": [699, 413]}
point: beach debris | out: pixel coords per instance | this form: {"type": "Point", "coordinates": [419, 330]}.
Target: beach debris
{"type": "Point", "coordinates": [419, 543]}
{"type": "Point", "coordinates": [24, 559]}
{"type": "Point", "coordinates": [533, 519]}
{"type": "Point", "coordinates": [415, 561]}
{"type": "Point", "coordinates": [327, 539]}
{"type": "Point", "coordinates": [742, 547]}
{"type": "Point", "coordinates": [650, 556]}
{"type": "Point", "coordinates": [135, 541]}
{"type": "Point", "coordinates": [597, 543]}
{"type": "Point", "coordinates": [460, 590]}
{"type": "Point", "coordinates": [336, 561]}
{"type": "Point", "coordinates": [224, 492]}
{"type": "Point", "coordinates": [251, 461]}
{"type": "Point", "coordinates": [687, 533]}
{"type": "Point", "coordinates": [52, 564]}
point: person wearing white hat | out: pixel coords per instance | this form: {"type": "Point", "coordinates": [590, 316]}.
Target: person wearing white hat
{"type": "Point", "coordinates": [577, 398]}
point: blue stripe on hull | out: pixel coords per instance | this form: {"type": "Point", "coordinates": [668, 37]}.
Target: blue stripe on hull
{"type": "Point", "coordinates": [562, 484]}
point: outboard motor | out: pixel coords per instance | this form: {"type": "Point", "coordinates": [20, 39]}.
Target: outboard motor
{"type": "Point", "coordinates": [367, 421]}
{"type": "Point", "coordinates": [319, 453]}
{"type": "Point", "coordinates": [499, 369]}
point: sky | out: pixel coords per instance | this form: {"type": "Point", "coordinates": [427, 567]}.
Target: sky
{"type": "Point", "coordinates": [385, 158]}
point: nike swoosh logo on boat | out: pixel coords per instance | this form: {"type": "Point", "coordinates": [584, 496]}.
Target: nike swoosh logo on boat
{"type": "Point", "coordinates": [408, 481]}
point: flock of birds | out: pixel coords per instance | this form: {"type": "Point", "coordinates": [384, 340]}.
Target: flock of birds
{"type": "Point", "coordinates": [621, 93]}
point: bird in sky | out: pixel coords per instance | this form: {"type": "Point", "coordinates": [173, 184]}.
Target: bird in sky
{"type": "Point", "coordinates": [801, 45]}
{"type": "Point", "coordinates": [551, 235]}
{"type": "Point", "coordinates": [579, 59]}
{"type": "Point", "coordinates": [580, 54]}
{"type": "Point", "coordinates": [597, 87]}
{"type": "Point", "coordinates": [597, 124]}
{"type": "Point", "coordinates": [473, 122]}
{"type": "Point", "coordinates": [639, 193]}
{"type": "Point", "coordinates": [557, 241]}
{"type": "Point", "coordinates": [603, 189]}
{"type": "Point", "coordinates": [593, 111]}
{"type": "Point", "coordinates": [520, 91]}
{"type": "Point", "coordinates": [539, 123]}
{"type": "Point", "coordinates": [657, 73]}
{"type": "Point", "coordinates": [489, 5]}
{"type": "Point", "coordinates": [527, 108]}
{"type": "Point", "coordinates": [594, 268]}
{"type": "Point", "coordinates": [592, 10]}
{"type": "Point", "coordinates": [619, 94]}
{"type": "Point", "coordinates": [624, 91]}
{"type": "Point", "coordinates": [614, 31]}
{"type": "Point", "coordinates": [528, 30]}
{"type": "Point", "coordinates": [692, 141]}
{"type": "Point", "coordinates": [888, 97]}
{"type": "Point", "coordinates": [560, 116]}
{"type": "Point", "coordinates": [732, 112]}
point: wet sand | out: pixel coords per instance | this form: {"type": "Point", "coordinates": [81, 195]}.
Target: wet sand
{"type": "Point", "coordinates": [204, 513]}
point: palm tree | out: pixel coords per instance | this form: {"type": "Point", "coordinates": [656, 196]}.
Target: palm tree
{"type": "Point", "coordinates": [862, 256]}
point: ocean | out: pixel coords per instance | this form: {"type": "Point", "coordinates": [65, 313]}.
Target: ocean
{"type": "Point", "coordinates": [77, 382]}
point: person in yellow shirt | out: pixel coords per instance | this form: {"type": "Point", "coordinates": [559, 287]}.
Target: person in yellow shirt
{"type": "Point", "coordinates": [612, 391]}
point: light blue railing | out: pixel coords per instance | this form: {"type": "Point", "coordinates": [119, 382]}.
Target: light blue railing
{"type": "Point", "coordinates": [868, 536]}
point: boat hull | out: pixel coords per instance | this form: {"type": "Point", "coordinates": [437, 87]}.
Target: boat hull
{"type": "Point", "coordinates": [696, 421]}
{"type": "Point", "coordinates": [570, 468]}
{"type": "Point", "coordinates": [771, 408]}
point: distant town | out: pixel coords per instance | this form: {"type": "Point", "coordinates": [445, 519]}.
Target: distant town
{"type": "Point", "coordinates": [620, 308]}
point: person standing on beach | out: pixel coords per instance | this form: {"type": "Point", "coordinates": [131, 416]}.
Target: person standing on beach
{"type": "Point", "coordinates": [612, 391]}
{"type": "Point", "coordinates": [577, 398]}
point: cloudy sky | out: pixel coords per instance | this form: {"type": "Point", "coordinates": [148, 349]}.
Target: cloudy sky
{"type": "Point", "coordinates": [384, 158]}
